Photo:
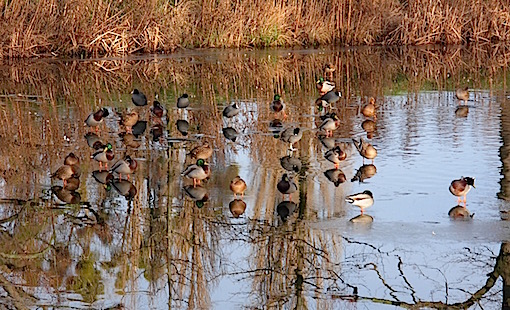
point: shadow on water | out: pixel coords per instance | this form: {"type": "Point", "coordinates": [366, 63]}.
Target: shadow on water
{"type": "Point", "coordinates": [157, 225]}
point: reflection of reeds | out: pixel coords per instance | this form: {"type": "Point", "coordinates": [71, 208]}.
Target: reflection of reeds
{"type": "Point", "coordinates": [97, 27]}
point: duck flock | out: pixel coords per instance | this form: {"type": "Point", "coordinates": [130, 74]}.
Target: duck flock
{"type": "Point", "coordinates": [116, 174]}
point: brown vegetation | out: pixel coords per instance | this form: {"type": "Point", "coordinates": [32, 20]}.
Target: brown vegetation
{"type": "Point", "coordinates": [112, 28]}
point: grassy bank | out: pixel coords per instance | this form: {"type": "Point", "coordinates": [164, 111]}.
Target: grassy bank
{"type": "Point", "coordinates": [113, 28]}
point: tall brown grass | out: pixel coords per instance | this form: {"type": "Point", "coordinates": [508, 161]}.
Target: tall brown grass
{"type": "Point", "coordinates": [113, 28]}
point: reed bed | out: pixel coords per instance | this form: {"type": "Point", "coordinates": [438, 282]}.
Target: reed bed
{"type": "Point", "coordinates": [92, 28]}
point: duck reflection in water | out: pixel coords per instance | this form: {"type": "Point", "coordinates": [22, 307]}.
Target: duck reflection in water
{"type": "Point", "coordinates": [237, 207]}
{"type": "Point", "coordinates": [129, 140]}
{"type": "Point", "coordinates": [362, 218]}
{"type": "Point", "coordinates": [139, 128]}
{"type": "Point", "coordinates": [198, 194]}
{"type": "Point", "coordinates": [364, 172]}
{"type": "Point", "coordinates": [230, 133]}
{"type": "Point", "coordinates": [336, 176]}
{"type": "Point", "coordinates": [157, 132]}
{"type": "Point", "coordinates": [285, 209]}
{"type": "Point", "coordinates": [290, 163]}
{"type": "Point", "coordinates": [182, 126]}
{"type": "Point", "coordinates": [460, 213]}
{"type": "Point", "coordinates": [102, 176]}
{"type": "Point", "coordinates": [123, 187]}
{"type": "Point", "coordinates": [276, 127]}
{"type": "Point", "coordinates": [65, 196]}
{"type": "Point", "coordinates": [369, 126]}
{"type": "Point", "coordinates": [462, 111]}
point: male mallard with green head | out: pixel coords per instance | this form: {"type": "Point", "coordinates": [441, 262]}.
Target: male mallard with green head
{"type": "Point", "coordinates": [197, 172]}
{"type": "Point", "coordinates": [104, 156]}
{"type": "Point", "coordinates": [277, 106]}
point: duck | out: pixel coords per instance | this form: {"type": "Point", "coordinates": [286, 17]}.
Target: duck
{"type": "Point", "coordinates": [364, 172]}
{"type": "Point", "coordinates": [461, 187]}
{"type": "Point", "coordinates": [231, 110]}
{"type": "Point", "coordinates": [462, 111]}
{"type": "Point", "coordinates": [291, 135]}
{"type": "Point", "coordinates": [368, 110]}
{"type": "Point", "coordinates": [336, 176]}
{"type": "Point", "coordinates": [238, 186]}
{"type": "Point", "coordinates": [182, 126]}
{"type": "Point", "coordinates": [230, 133]}
{"type": "Point", "coordinates": [96, 118]}
{"type": "Point", "coordinates": [157, 109]}
{"type": "Point", "coordinates": [365, 149]}
{"type": "Point", "coordinates": [362, 200]}
{"type": "Point", "coordinates": [290, 163]}
{"type": "Point", "coordinates": [104, 155]}
{"type": "Point", "coordinates": [330, 124]}
{"type": "Point", "coordinates": [204, 151]}
{"type": "Point", "coordinates": [237, 207]}
{"type": "Point", "coordinates": [335, 155]}
{"type": "Point", "coordinates": [197, 172]}
{"type": "Point", "coordinates": [462, 94]}
{"type": "Point", "coordinates": [277, 106]}
{"type": "Point", "coordinates": [328, 70]}
{"type": "Point", "coordinates": [129, 119]}
{"type": "Point", "coordinates": [183, 101]}
{"type": "Point", "coordinates": [287, 185]}
{"type": "Point", "coordinates": [125, 166]}
{"type": "Point", "coordinates": [138, 98]}
{"type": "Point", "coordinates": [66, 172]}
{"type": "Point", "coordinates": [324, 86]}
{"type": "Point", "coordinates": [71, 159]}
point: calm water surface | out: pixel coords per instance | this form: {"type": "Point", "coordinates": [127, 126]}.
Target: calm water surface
{"type": "Point", "coordinates": [147, 243]}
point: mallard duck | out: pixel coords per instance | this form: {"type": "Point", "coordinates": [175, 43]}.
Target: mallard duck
{"type": "Point", "coordinates": [364, 172]}
{"type": "Point", "coordinates": [96, 118]}
{"type": "Point", "coordinates": [230, 133]}
{"type": "Point", "coordinates": [330, 124]}
{"type": "Point", "coordinates": [369, 109]}
{"type": "Point", "coordinates": [290, 163]}
{"type": "Point", "coordinates": [365, 149]}
{"type": "Point", "coordinates": [237, 207]}
{"type": "Point", "coordinates": [125, 166]}
{"type": "Point", "coordinates": [285, 208]}
{"type": "Point", "coordinates": [461, 187]}
{"type": "Point", "coordinates": [104, 156]}
{"type": "Point", "coordinates": [324, 86]}
{"type": "Point", "coordinates": [362, 200]}
{"type": "Point", "coordinates": [328, 70]}
{"type": "Point", "coordinates": [277, 106]}
{"type": "Point", "coordinates": [197, 172]}
{"type": "Point", "coordinates": [462, 94]}
{"type": "Point", "coordinates": [287, 185]}
{"type": "Point", "coordinates": [129, 119]}
{"type": "Point", "coordinates": [138, 98]}
{"type": "Point", "coordinates": [157, 109]}
{"type": "Point", "coordinates": [291, 135]}
{"type": "Point", "coordinates": [231, 110]}
{"type": "Point", "coordinates": [335, 155]}
{"type": "Point", "coordinates": [203, 151]}
{"type": "Point", "coordinates": [129, 140]}
{"type": "Point", "coordinates": [462, 111]}
{"type": "Point", "coordinates": [66, 172]}
{"type": "Point", "coordinates": [238, 186]}
{"type": "Point", "coordinates": [183, 101]}
{"type": "Point", "coordinates": [182, 126]}
{"type": "Point", "coordinates": [336, 176]}
{"type": "Point", "coordinates": [71, 159]}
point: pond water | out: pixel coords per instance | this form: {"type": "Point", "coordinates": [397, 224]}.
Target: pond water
{"type": "Point", "coordinates": [156, 241]}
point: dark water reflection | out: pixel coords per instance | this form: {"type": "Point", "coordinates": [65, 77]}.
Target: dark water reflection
{"type": "Point", "coordinates": [157, 241]}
